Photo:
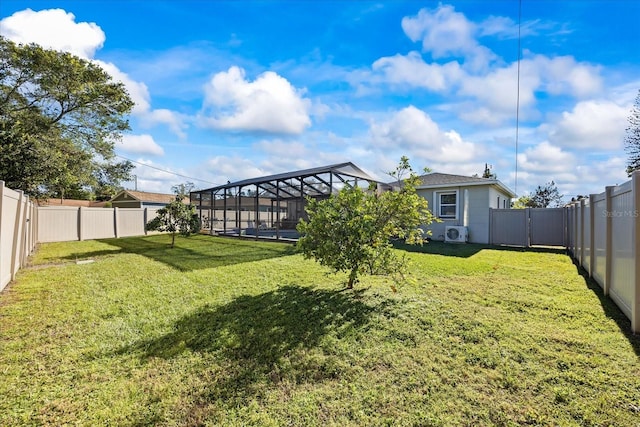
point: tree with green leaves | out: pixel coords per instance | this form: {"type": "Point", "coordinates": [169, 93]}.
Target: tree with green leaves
{"type": "Point", "coordinates": [351, 231]}
{"type": "Point", "coordinates": [545, 196]}
{"type": "Point", "coordinates": [632, 138]}
{"type": "Point", "coordinates": [60, 117]}
{"type": "Point", "coordinates": [522, 202]}
{"type": "Point", "coordinates": [177, 217]}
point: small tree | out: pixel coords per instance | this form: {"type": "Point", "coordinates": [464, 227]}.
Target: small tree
{"type": "Point", "coordinates": [351, 231]}
{"type": "Point", "coordinates": [487, 172]}
{"type": "Point", "coordinates": [632, 139]}
{"type": "Point", "coordinates": [177, 217]}
{"type": "Point", "coordinates": [522, 202]}
{"type": "Point", "coordinates": [545, 196]}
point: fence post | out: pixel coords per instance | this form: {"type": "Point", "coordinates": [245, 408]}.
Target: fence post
{"type": "Point", "coordinates": [1, 211]}
{"type": "Point", "coordinates": [15, 250]}
{"type": "Point", "coordinates": [592, 232]}
{"type": "Point", "coordinates": [528, 222]}
{"type": "Point", "coordinates": [80, 213]}
{"type": "Point", "coordinates": [23, 236]}
{"type": "Point", "coordinates": [581, 232]}
{"type": "Point", "coordinates": [490, 225]}
{"type": "Point", "coordinates": [608, 238]}
{"type": "Point", "coordinates": [635, 230]}
{"type": "Point", "coordinates": [115, 222]}
{"type": "Point", "coordinates": [145, 216]}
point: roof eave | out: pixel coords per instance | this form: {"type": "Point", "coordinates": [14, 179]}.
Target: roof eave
{"type": "Point", "coordinates": [493, 182]}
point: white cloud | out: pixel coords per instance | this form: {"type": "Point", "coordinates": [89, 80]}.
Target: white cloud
{"type": "Point", "coordinates": [591, 125]}
{"type": "Point", "coordinates": [412, 70]}
{"type": "Point", "coordinates": [447, 33]}
{"type": "Point", "coordinates": [140, 144]}
{"type": "Point", "coordinates": [234, 168]}
{"type": "Point", "coordinates": [546, 158]}
{"type": "Point", "coordinates": [563, 75]}
{"type": "Point", "coordinates": [54, 29]}
{"type": "Point", "coordinates": [268, 104]}
{"type": "Point", "coordinates": [413, 130]}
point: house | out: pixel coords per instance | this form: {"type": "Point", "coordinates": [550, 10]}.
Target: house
{"type": "Point", "coordinates": [142, 199]}
{"type": "Point", "coordinates": [463, 201]}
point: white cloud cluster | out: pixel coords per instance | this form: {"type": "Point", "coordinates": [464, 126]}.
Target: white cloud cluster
{"type": "Point", "coordinates": [139, 144]}
{"type": "Point", "coordinates": [446, 33]}
{"type": "Point", "coordinates": [268, 104]}
{"type": "Point", "coordinates": [55, 29]}
{"type": "Point", "coordinates": [591, 125]}
{"type": "Point", "coordinates": [486, 88]}
{"type": "Point", "coordinates": [413, 130]}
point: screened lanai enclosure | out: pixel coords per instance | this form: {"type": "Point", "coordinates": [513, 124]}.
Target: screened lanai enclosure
{"type": "Point", "coordinates": [270, 207]}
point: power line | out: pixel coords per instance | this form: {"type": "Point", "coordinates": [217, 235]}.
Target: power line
{"type": "Point", "coordinates": [518, 91]}
{"type": "Point", "coordinates": [166, 171]}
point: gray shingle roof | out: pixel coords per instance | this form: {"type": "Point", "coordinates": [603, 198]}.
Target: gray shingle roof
{"type": "Point", "coordinates": [445, 178]}
{"type": "Point", "coordinates": [439, 180]}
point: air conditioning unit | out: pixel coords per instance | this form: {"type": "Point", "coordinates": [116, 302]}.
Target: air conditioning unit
{"type": "Point", "coordinates": [455, 234]}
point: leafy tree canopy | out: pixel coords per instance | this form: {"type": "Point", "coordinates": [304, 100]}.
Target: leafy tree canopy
{"type": "Point", "coordinates": [544, 196]}
{"type": "Point", "coordinates": [351, 230]}
{"type": "Point", "coordinates": [632, 138]}
{"type": "Point", "coordinates": [60, 116]}
{"type": "Point", "coordinates": [177, 217]}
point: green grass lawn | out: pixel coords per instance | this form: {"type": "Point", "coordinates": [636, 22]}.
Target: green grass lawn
{"type": "Point", "coordinates": [227, 332]}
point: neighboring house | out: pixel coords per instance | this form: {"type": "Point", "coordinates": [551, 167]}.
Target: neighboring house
{"type": "Point", "coordinates": [463, 201]}
{"type": "Point", "coordinates": [142, 199]}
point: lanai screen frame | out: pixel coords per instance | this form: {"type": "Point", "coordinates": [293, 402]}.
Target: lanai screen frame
{"type": "Point", "coordinates": [285, 188]}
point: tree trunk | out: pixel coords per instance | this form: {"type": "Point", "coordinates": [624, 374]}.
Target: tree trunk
{"type": "Point", "coordinates": [353, 277]}
{"type": "Point", "coordinates": [173, 239]}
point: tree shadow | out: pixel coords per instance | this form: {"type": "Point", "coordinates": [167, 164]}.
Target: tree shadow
{"type": "Point", "coordinates": [193, 253]}
{"type": "Point", "coordinates": [262, 340]}
{"type": "Point", "coordinates": [610, 308]}
{"type": "Point", "coordinates": [468, 250]}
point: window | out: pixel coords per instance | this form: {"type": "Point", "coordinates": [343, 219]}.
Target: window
{"type": "Point", "coordinates": [447, 205]}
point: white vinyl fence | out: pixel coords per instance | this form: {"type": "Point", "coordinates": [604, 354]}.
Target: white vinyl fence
{"type": "Point", "coordinates": [604, 238]}
{"type": "Point", "coordinates": [62, 223]}
{"type": "Point", "coordinates": [18, 218]}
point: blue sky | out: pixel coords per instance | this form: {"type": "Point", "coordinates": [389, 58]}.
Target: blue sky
{"type": "Point", "coordinates": [227, 90]}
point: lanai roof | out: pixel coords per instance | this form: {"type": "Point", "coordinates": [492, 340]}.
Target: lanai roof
{"type": "Point", "coordinates": [279, 184]}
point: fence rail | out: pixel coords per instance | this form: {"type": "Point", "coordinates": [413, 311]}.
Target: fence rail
{"type": "Point", "coordinates": [604, 238]}
{"type": "Point", "coordinates": [18, 220]}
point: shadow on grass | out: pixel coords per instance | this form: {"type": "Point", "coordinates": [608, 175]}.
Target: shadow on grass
{"type": "Point", "coordinates": [195, 252]}
{"type": "Point", "coordinates": [467, 250]}
{"type": "Point", "coordinates": [610, 308]}
{"type": "Point", "coordinates": [264, 340]}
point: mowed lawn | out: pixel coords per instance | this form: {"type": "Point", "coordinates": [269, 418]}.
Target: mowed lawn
{"type": "Point", "coordinates": [227, 332]}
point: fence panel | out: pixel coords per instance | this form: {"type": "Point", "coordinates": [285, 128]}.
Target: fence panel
{"type": "Point", "coordinates": [612, 234]}
{"type": "Point", "coordinates": [586, 233]}
{"type": "Point", "coordinates": [547, 226]}
{"type": "Point", "coordinates": [130, 222]}
{"type": "Point", "coordinates": [58, 224]}
{"type": "Point", "coordinates": [509, 227]}
{"type": "Point", "coordinates": [97, 223]}
{"type": "Point", "coordinates": [16, 222]}
{"type": "Point", "coordinates": [622, 262]}
{"type": "Point", "coordinates": [599, 242]}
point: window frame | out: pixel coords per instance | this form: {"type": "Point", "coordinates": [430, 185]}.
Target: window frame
{"type": "Point", "coordinates": [440, 205]}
